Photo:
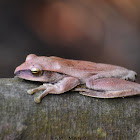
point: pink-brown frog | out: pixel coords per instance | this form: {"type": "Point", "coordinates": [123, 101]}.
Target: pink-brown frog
{"type": "Point", "coordinates": [60, 75]}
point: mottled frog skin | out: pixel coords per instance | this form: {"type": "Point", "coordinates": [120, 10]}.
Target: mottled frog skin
{"type": "Point", "coordinates": [60, 75]}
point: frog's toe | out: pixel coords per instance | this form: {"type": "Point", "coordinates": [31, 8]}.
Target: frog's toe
{"type": "Point", "coordinates": [131, 76]}
{"type": "Point", "coordinates": [30, 91]}
{"type": "Point", "coordinates": [37, 100]}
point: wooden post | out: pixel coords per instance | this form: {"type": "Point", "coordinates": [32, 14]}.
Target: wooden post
{"type": "Point", "coordinates": [69, 116]}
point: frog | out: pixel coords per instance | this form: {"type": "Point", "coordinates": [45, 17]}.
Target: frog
{"type": "Point", "coordinates": [59, 75]}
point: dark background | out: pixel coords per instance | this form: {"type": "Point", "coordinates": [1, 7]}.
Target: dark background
{"type": "Point", "coordinates": [101, 31]}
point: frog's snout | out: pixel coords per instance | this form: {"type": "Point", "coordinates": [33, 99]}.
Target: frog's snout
{"type": "Point", "coordinates": [16, 73]}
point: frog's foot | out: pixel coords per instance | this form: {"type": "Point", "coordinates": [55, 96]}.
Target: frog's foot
{"type": "Point", "coordinates": [131, 76]}
{"type": "Point", "coordinates": [32, 91]}
{"type": "Point", "coordinates": [44, 87]}
{"type": "Point", "coordinates": [111, 88]}
{"type": "Point", "coordinates": [62, 86]}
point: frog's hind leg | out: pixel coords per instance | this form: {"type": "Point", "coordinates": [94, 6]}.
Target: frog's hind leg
{"type": "Point", "coordinates": [126, 75]}
{"type": "Point", "coordinates": [107, 94]}
{"type": "Point", "coordinates": [111, 88]}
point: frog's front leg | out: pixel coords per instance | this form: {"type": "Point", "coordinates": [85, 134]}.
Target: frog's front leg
{"type": "Point", "coordinates": [62, 86]}
{"type": "Point", "coordinates": [111, 88]}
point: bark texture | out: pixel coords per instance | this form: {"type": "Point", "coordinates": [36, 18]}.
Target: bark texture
{"type": "Point", "coordinates": [69, 116]}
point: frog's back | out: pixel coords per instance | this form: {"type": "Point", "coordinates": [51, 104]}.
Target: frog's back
{"type": "Point", "coordinates": [76, 68]}
{"type": "Point", "coordinates": [81, 65]}
{"type": "Point", "coordinates": [74, 64]}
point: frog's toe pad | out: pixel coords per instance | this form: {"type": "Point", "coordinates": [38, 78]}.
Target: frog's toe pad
{"type": "Point", "coordinates": [37, 100]}
{"type": "Point", "coordinates": [30, 91]}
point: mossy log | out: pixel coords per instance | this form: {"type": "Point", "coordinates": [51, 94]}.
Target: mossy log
{"type": "Point", "coordinates": [69, 116]}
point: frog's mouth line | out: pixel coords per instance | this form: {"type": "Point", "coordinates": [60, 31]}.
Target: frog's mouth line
{"type": "Point", "coordinates": [43, 76]}
{"type": "Point", "coordinates": [17, 73]}
{"type": "Point", "coordinates": [27, 71]}
{"type": "Point", "coordinates": [26, 74]}
{"type": "Point", "coordinates": [22, 73]}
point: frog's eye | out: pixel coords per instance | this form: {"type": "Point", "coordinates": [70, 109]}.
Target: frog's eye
{"type": "Point", "coordinates": [36, 71]}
